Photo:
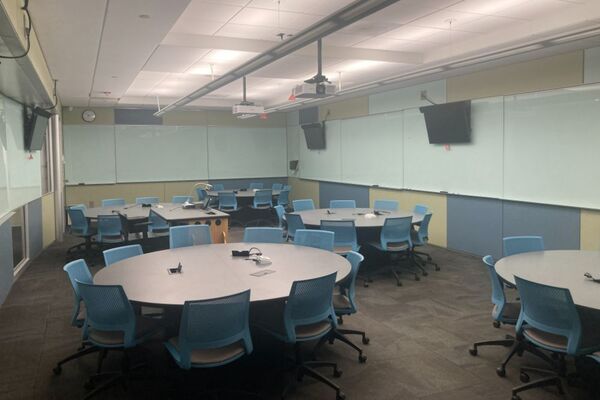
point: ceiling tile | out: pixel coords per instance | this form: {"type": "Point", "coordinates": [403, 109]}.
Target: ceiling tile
{"type": "Point", "coordinates": [423, 34]}
{"type": "Point", "coordinates": [523, 9]}
{"type": "Point", "coordinates": [283, 20]}
{"type": "Point", "coordinates": [315, 7]}
{"type": "Point", "coordinates": [369, 28]}
{"type": "Point", "coordinates": [386, 43]}
{"type": "Point", "coordinates": [251, 32]}
{"type": "Point", "coordinates": [446, 19]}
{"type": "Point", "coordinates": [173, 58]}
{"type": "Point", "coordinates": [343, 39]}
{"type": "Point", "coordinates": [204, 18]}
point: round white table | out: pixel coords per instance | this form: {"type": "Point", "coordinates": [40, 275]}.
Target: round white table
{"type": "Point", "coordinates": [210, 271]}
{"type": "Point", "coordinates": [559, 268]}
{"type": "Point", "coordinates": [314, 217]}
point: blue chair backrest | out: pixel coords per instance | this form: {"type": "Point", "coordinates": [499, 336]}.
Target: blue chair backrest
{"type": "Point", "coordinates": [263, 235]}
{"type": "Point", "coordinates": [287, 187]}
{"type": "Point", "coordinates": [117, 254]}
{"type": "Point", "coordinates": [108, 309]}
{"type": "Point", "coordinates": [79, 207]}
{"type": "Point", "coordinates": [284, 198]}
{"type": "Point", "coordinates": [263, 197]}
{"type": "Point", "coordinates": [157, 223]}
{"type": "Point", "coordinates": [180, 199]}
{"type": "Point", "coordinates": [498, 297]}
{"type": "Point", "coordinates": [549, 309]}
{"type": "Point", "coordinates": [147, 200]}
{"type": "Point", "coordinates": [189, 235]}
{"type": "Point", "coordinates": [395, 233]}
{"type": "Point", "coordinates": [304, 204]}
{"type": "Point", "coordinates": [209, 324]}
{"type": "Point", "coordinates": [386, 205]}
{"type": "Point", "coordinates": [422, 235]}
{"type": "Point", "coordinates": [201, 193]}
{"type": "Point", "coordinates": [109, 227]}
{"type": "Point", "coordinates": [277, 186]}
{"type": "Point", "coordinates": [344, 233]}
{"type": "Point", "coordinates": [79, 223]}
{"type": "Point", "coordinates": [294, 222]}
{"type": "Point", "coordinates": [77, 271]}
{"type": "Point", "coordinates": [420, 209]}
{"type": "Point", "coordinates": [113, 202]}
{"type": "Point", "coordinates": [314, 238]}
{"type": "Point", "coordinates": [309, 302]}
{"type": "Point", "coordinates": [256, 185]}
{"type": "Point", "coordinates": [348, 286]}
{"type": "Point", "coordinates": [342, 204]}
{"type": "Point", "coordinates": [217, 187]}
{"type": "Point", "coordinates": [522, 244]}
{"type": "Point", "coordinates": [280, 211]}
{"type": "Point", "coordinates": [227, 200]}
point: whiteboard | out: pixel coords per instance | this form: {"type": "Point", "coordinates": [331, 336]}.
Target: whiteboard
{"type": "Point", "coordinates": [4, 206]}
{"type": "Point", "coordinates": [152, 153]}
{"type": "Point", "coordinates": [471, 169]}
{"type": "Point", "coordinates": [89, 152]}
{"type": "Point", "coordinates": [241, 152]}
{"type": "Point", "coordinates": [551, 147]}
{"type": "Point", "coordinates": [372, 150]}
{"type": "Point", "coordinates": [324, 164]}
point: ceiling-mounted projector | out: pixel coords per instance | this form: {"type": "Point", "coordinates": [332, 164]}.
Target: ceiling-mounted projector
{"type": "Point", "coordinates": [314, 90]}
{"type": "Point", "coordinates": [247, 110]}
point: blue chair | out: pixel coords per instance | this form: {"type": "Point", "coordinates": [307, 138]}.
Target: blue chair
{"type": "Point", "coordinates": [147, 200]}
{"type": "Point", "coordinates": [303, 205]}
{"type": "Point", "coordinates": [202, 194]}
{"type": "Point", "coordinates": [189, 235]}
{"type": "Point", "coordinates": [344, 303]}
{"type": "Point", "coordinates": [180, 199]}
{"type": "Point", "coordinates": [263, 235]}
{"type": "Point", "coordinates": [77, 271]}
{"type": "Point", "coordinates": [156, 224]}
{"type": "Point", "coordinates": [287, 187]}
{"type": "Point", "coordinates": [284, 198]}
{"type": "Point", "coordinates": [386, 205]}
{"type": "Point", "coordinates": [277, 186]}
{"type": "Point", "coordinates": [217, 187]}
{"type": "Point", "coordinates": [110, 229]}
{"type": "Point", "coordinates": [80, 206]}
{"type": "Point", "coordinates": [504, 312]}
{"type": "Point", "coordinates": [113, 202]}
{"type": "Point", "coordinates": [522, 244]}
{"type": "Point", "coordinates": [294, 222]}
{"type": "Point", "coordinates": [314, 238]}
{"type": "Point", "coordinates": [307, 315]}
{"type": "Point", "coordinates": [256, 185]}
{"type": "Point", "coordinates": [420, 238]}
{"type": "Point", "coordinates": [549, 320]}
{"type": "Point", "coordinates": [262, 203]}
{"type": "Point", "coordinates": [228, 204]}
{"type": "Point", "coordinates": [280, 212]}
{"type": "Point", "coordinates": [117, 254]}
{"type": "Point", "coordinates": [342, 204]}
{"type": "Point", "coordinates": [112, 324]}
{"type": "Point", "coordinates": [394, 240]}
{"type": "Point", "coordinates": [344, 231]}
{"type": "Point", "coordinates": [80, 227]}
{"type": "Point", "coordinates": [212, 332]}
{"type": "Point", "coordinates": [420, 209]}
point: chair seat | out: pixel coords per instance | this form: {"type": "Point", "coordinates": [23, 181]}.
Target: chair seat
{"type": "Point", "coordinates": [549, 340]}
{"type": "Point", "coordinates": [143, 328]}
{"type": "Point", "coordinates": [510, 313]}
{"type": "Point", "coordinates": [391, 246]}
{"type": "Point", "coordinates": [343, 249]}
{"type": "Point", "coordinates": [341, 302]}
{"type": "Point", "coordinates": [304, 332]}
{"type": "Point", "coordinates": [265, 207]}
{"type": "Point", "coordinates": [213, 356]}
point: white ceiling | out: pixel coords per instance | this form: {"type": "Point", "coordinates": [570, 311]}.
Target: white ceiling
{"type": "Point", "coordinates": [109, 52]}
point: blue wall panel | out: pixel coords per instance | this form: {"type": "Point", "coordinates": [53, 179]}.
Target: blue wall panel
{"type": "Point", "coordinates": [245, 183]}
{"type": "Point", "coordinates": [339, 191]}
{"type": "Point", "coordinates": [475, 225]}
{"type": "Point", "coordinates": [34, 226]}
{"type": "Point", "coordinates": [6, 260]}
{"type": "Point", "coordinates": [560, 226]}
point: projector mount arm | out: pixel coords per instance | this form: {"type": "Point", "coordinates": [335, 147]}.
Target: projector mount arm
{"type": "Point", "coordinates": [319, 77]}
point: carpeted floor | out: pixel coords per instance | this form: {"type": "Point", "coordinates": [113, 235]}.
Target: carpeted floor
{"type": "Point", "coordinates": [419, 335]}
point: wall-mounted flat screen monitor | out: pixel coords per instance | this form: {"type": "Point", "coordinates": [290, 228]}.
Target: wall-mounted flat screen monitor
{"type": "Point", "coordinates": [35, 124]}
{"type": "Point", "coordinates": [314, 135]}
{"type": "Point", "coordinates": [448, 123]}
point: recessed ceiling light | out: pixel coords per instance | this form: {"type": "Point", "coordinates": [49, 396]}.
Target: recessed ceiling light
{"type": "Point", "coordinates": [144, 16]}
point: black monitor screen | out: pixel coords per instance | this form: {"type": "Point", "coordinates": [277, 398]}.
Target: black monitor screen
{"type": "Point", "coordinates": [36, 123]}
{"type": "Point", "coordinates": [448, 123]}
{"type": "Point", "coordinates": [314, 135]}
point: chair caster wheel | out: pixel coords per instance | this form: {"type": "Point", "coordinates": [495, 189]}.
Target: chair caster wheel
{"type": "Point", "coordinates": [340, 396]}
{"type": "Point", "coordinates": [57, 370]}
{"type": "Point", "coordinates": [425, 273]}
{"type": "Point", "coordinates": [496, 324]}
{"type": "Point", "coordinates": [362, 359]}
{"type": "Point", "coordinates": [437, 268]}
{"type": "Point", "coordinates": [501, 372]}
{"type": "Point", "coordinates": [473, 352]}
{"type": "Point", "coordinates": [515, 397]}
{"type": "Point", "coordinates": [417, 278]}
{"type": "Point", "coordinates": [337, 373]}
{"type": "Point", "coordinates": [365, 284]}
{"type": "Point", "coordinates": [89, 385]}
{"type": "Point", "coordinates": [366, 340]}
{"type": "Point", "coordinates": [398, 283]}
{"type": "Point", "coordinates": [524, 377]}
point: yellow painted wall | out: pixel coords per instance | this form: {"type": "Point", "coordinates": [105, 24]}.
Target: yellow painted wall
{"type": "Point", "coordinates": [304, 189]}
{"type": "Point", "coordinates": [72, 116]}
{"type": "Point", "coordinates": [542, 74]}
{"type": "Point", "coordinates": [590, 230]}
{"type": "Point", "coordinates": [408, 199]}
{"type": "Point", "coordinates": [354, 107]}
{"type": "Point", "coordinates": [48, 220]}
